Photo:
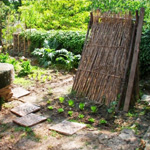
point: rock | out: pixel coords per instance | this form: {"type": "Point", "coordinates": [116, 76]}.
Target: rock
{"type": "Point", "coordinates": [146, 138]}
{"type": "Point", "coordinates": [6, 74]}
{"type": "Point", "coordinates": [127, 135]}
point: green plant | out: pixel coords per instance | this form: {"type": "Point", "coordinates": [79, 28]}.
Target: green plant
{"type": "Point", "coordinates": [70, 113]}
{"type": "Point", "coordinates": [34, 76]}
{"type": "Point", "coordinates": [49, 78]}
{"type": "Point", "coordinates": [60, 110]}
{"type": "Point", "coordinates": [71, 103]}
{"type": "Point", "coordinates": [61, 99]}
{"type": "Point", "coordinates": [49, 120]}
{"type": "Point", "coordinates": [80, 116]}
{"type": "Point", "coordinates": [94, 109]}
{"type": "Point", "coordinates": [26, 68]}
{"type": "Point", "coordinates": [91, 120]}
{"type": "Point", "coordinates": [50, 107]}
{"type": "Point", "coordinates": [102, 121]}
{"type": "Point", "coordinates": [145, 53]}
{"type": "Point", "coordinates": [61, 57]}
{"type": "Point", "coordinates": [81, 106]}
{"type": "Point", "coordinates": [44, 79]}
{"type": "Point", "coordinates": [39, 76]}
{"type": "Point", "coordinates": [112, 107]}
{"type": "Point", "coordinates": [49, 101]}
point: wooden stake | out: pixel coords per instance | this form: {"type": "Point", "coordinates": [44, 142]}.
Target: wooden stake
{"type": "Point", "coordinates": [134, 61]}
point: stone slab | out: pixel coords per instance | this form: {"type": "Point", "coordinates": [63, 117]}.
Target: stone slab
{"type": "Point", "coordinates": [29, 120]}
{"type": "Point", "coordinates": [25, 109]}
{"type": "Point", "coordinates": [67, 128]}
{"type": "Point", "coordinates": [19, 92]}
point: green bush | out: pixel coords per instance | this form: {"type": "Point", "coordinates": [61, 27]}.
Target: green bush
{"type": "Point", "coordinates": [71, 40]}
{"type": "Point", "coordinates": [55, 14]}
{"type": "Point", "coordinates": [61, 57]}
{"type": "Point", "coordinates": [145, 53]}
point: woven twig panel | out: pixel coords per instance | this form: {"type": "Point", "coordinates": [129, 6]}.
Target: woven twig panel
{"type": "Point", "coordinates": [104, 57]}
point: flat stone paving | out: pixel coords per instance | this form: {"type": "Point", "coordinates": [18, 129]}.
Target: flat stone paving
{"type": "Point", "coordinates": [29, 120]}
{"type": "Point", "coordinates": [67, 128]}
{"type": "Point", "coordinates": [19, 92]}
{"type": "Point", "coordinates": [25, 109]}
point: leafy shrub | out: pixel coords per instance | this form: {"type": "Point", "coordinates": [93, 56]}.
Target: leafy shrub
{"type": "Point", "coordinates": [71, 40]}
{"type": "Point", "coordinates": [56, 14]}
{"type": "Point", "coordinates": [26, 68]}
{"type": "Point", "coordinates": [47, 57]}
{"type": "Point", "coordinates": [4, 58]}
{"type": "Point", "coordinates": [145, 53]}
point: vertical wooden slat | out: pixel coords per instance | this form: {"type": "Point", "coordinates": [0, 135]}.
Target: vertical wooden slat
{"type": "Point", "coordinates": [134, 61]}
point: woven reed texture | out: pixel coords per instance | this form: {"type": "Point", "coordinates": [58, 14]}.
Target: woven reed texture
{"type": "Point", "coordinates": [104, 57]}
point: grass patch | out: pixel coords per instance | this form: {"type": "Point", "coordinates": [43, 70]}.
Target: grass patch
{"type": "Point", "coordinates": [23, 82]}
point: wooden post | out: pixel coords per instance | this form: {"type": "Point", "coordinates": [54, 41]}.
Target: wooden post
{"type": "Point", "coordinates": [134, 61]}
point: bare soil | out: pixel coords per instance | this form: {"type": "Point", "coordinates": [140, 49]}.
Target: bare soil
{"type": "Point", "coordinates": [39, 137]}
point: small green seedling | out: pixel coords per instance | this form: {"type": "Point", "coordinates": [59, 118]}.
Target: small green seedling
{"type": "Point", "coordinates": [30, 76]}
{"type": "Point", "coordinates": [49, 78]}
{"type": "Point", "coordinates": [81, 106]}
{"type": "Point", "coordinates": [34, 76]}
{"type": "Point", "coordinates": [48, 102]}
{"type": "Point", "coordinates": [102, 121]}
{"type": "Point", "coordinates": [49, 120]}
{"type": "Point", "coordinates": [44, 79]}
{"type": "Point", "coordinates": [39, 76]}
{"type": "Point", "coordinates": [61, 99]}
{"type": "Point", "coordinates": [71, 103]}
{"type": "Point", "coordinates": [70, 113]}
{"type": "Point", "coordinates": [60, 110]}
{"type": "Point", "coordinates": [50, 107]}
{"type": "Point", "coordinates": [92, 120]}
{"type": "Point", "coordinates": [80, 116]}
{"type": "Point", "coordinates": [93, 109]}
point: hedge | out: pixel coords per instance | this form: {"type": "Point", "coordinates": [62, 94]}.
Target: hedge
{"type": "Point", "coordinates": [74, 40]}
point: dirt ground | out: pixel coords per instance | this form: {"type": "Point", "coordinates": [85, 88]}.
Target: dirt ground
{"type": "Point", "coordinates": [107, 135]}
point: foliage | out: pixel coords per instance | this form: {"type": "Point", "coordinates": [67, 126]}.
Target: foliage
{"type": "Point", "coordinates": [112, 107]}
{"type": "Point", "coordinates": [81, 106]}
{"type": "Point", "coordinates": [4, 58]}
{"type": "Point", "coordinates": [60, 110]}
{"type": "Point", "coordinates": [50, 107]}
{"type": "Point", "coordinates": [102, 121]}
{"type": "Point", "coordinates": [70, 113]}
{"type": "Point", "coordinates": [123, 6]}
{"type": "Point", "coordinates": [62, 57]}
{"type": "Point", "coordinates": [91, 120]}
{"type": "Point", "coordinates": [70, 40]}
{"type": "Point", "coordinates": [93, 109]}
{"type": "Point", "coordinates": [145, 53]}
{"type": "Point", "coordinates": [71, 103]}
{"type": "Point", "coordinates": [61, 99]}
{"type": "Point", "coordinates": [80, 116]}
{"type": "Point", "coordinates": [26, 68]}
{"type": "Point", "coordinates": [55, 14]}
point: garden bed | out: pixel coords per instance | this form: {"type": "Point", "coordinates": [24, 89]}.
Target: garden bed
{"type": "Point", "coordinates": [52, 91]}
